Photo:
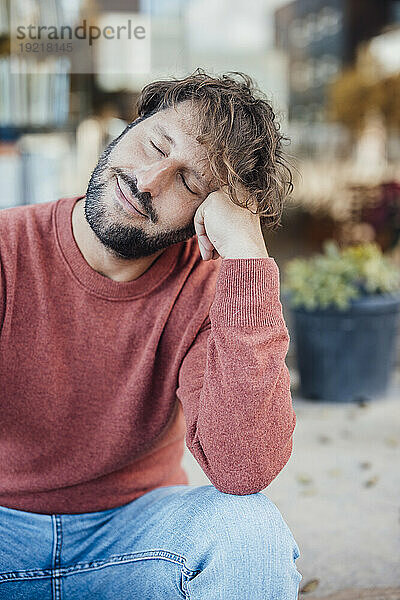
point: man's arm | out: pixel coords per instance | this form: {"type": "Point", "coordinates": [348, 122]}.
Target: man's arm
{"type": "Point", "coordinates": [2, 295]}
{"type": "Point", "coordinates": [234, 385]}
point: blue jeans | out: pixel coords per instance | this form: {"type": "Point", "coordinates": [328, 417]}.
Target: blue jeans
{"type": "Point", "coordinates": [175, 542]}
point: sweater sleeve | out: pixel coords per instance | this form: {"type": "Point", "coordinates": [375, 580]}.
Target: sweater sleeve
{"type": "Point", "coordinates": [234, 385]}
{"type": "Point", "coordinates": [2, 296]}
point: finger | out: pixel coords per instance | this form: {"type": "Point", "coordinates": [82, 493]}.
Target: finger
{"type": "Point", "coordinates": [206, 250]}
{"type": "Point", "coordinates": [199, 227]}
{"type": "Point", "coordinates": [198, 220]}
{"type": "Point", "coordinates": [205, 246]}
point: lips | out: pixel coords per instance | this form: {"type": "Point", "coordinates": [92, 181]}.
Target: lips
{"type": "Point", "coordinates": [129, 199]}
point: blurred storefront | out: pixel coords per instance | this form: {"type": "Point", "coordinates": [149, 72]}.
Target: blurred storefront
{"type": "Point", "coordinates": [343, 82]}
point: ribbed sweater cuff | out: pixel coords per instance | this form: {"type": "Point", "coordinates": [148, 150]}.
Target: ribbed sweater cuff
{"type": "Point", "coordinates": [247, 293]}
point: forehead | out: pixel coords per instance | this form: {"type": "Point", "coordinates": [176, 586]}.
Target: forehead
{"type": "Point", "coordinates": [181, 118]}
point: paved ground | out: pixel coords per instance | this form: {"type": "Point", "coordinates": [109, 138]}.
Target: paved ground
{"type": "Point", "coordinates": [340, 492]}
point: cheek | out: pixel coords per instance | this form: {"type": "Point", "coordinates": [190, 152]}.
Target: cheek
{"type": "Point", "coordinates": [177, 211]}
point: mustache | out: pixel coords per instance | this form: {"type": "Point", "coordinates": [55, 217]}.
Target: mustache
{"type": "Point", "coordinates": [144, 198]}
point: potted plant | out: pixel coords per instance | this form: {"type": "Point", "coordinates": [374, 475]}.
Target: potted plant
{"type": "Point", "coordinates": [345, 304]}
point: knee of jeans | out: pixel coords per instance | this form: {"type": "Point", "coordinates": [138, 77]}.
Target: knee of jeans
{"type": "Point", "coordinates": [249, 517]}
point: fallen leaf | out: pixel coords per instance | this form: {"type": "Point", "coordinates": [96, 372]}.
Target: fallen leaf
{"type": "Point", "coordinates": [304, 479]}
{"type": "Point", "coordinates": [324, 439]}
{"type": "Point", "coordinates": [372, 481]}
{"type": "Point", "coordinates": [309, 586]}
{"type": "Point", "coordinates": [365, 465]}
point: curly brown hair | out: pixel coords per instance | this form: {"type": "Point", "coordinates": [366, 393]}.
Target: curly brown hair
{"type": "Point", "coordinates": [237, 126]}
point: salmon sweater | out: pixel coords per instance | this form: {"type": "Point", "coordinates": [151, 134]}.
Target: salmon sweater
{"type": "Point", "coordinates": [102, 382]}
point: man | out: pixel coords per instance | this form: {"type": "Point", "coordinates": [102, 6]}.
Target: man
{"type": "Point", "coordinates": [120, 335]}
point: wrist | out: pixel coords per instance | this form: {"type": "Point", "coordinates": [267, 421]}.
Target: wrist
{"type": "Point", "coordinates": [254, 252]}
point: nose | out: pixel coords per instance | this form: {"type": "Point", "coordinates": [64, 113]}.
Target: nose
{"type": "Point", "coordinates": [156, 176]}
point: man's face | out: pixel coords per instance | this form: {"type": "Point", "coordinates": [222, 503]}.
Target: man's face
{"type": "Point", "coordinates": [158, 166]}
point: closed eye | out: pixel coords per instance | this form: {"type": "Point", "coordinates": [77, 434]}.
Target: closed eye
{"type": "Point", "coordinates": [157, 148]}
{"type": "Point", "coordinates": [182, 177]}
{"type": "Point", "coordinates": [186, 185]}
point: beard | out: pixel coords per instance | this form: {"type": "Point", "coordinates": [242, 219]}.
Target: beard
{"type": "Point", "coordinates": [125, 241]}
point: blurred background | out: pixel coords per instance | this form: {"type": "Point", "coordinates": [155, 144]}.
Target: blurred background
{"type": "Point", "coordinates": [331, 69]}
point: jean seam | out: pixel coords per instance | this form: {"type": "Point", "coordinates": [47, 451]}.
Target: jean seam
{"type": "Point", "coordinates": [118, 559]}
{"type": "Point", "coordinates": [96, 564]}
{"type": "Point", "coordinates": [28, 574]}
{"type": "Point", "coordinates": [56, 570]}
{"type": "Point", "coordinates": [186, 576]}
{"type": "Point", "coordinates": [123, 559]}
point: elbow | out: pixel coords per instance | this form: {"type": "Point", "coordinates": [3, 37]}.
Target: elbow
{"type": "Point", "coordinates": [255, 478]}
{"type": "Point", "coordinates": [249, 470]}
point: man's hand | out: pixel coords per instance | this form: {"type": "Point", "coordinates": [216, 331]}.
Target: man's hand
{"type": "Point", "coordinates": [227, 230]}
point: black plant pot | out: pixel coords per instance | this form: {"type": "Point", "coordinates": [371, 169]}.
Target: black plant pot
{"type": "Point", "coordinates": [346, 356]}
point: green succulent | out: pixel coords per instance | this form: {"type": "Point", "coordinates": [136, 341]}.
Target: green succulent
{"type": "Point", "coordinates": [335, 277]}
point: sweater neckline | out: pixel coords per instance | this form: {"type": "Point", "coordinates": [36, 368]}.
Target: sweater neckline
{"type": "Point", "coordinates": [93, 281]}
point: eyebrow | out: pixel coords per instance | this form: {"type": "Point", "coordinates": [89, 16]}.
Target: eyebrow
{"type": "Point", "coordinates": [169, 139]}
{"type": "Point", "coordinates": [162, 131]}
